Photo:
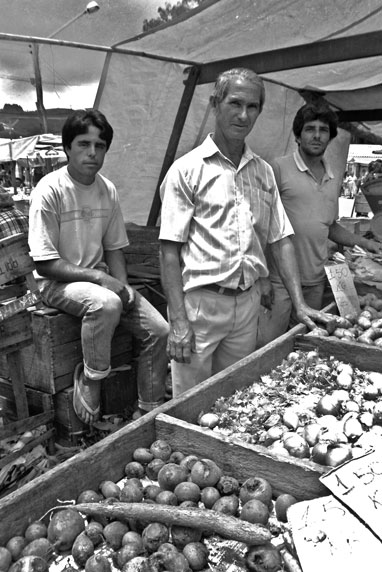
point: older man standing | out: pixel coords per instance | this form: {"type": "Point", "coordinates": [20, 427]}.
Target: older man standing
{"type": "Point", "coordinates": [221, 208]}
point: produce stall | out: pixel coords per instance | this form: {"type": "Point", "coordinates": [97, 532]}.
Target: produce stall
{"type": "Point", "coordinates": [240, 456]}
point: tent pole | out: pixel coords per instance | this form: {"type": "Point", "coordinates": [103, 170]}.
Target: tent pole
{"type": "Point", "coordinates": [177, 129]}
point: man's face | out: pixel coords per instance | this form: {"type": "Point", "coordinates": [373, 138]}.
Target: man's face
{"type": "Point", "coordinates": [236, 115]}
{"type": "Point", "coordinates": [314, 138]}
{"type": "Point", "coordinates": [86, 156]}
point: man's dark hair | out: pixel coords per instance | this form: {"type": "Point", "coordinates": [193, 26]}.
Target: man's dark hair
{"type": "Point", "coordinates": [78, 123]}
{"type": "Point", "coordinates": [311, 112]}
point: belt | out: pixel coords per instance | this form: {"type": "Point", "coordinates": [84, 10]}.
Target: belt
{"type": "Point", "coordinates": [225, 291]}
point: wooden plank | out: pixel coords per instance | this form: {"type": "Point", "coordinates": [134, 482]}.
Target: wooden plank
{"type": "Point", "coordinates": [241, 460]}
{"type": "Point", "coordinates": [363, 356]}
{"type": "Point", "coordinates": [17, 378]}
{"type": "Point", "coordinates": [27, 424]}
{"type": "Point", "coordinates": [28, 447]}
{"type": "Point", "coordinates": [19, 305]}
{"type": "Point", "coordinates": [354, 47]}
{"type": "Point", "coordinates": [12, 291]}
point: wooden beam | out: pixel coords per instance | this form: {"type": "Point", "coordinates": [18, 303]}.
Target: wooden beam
{"type": "Point", "coordinates": [359, 115]}
{"type": "Point", "coordinates": [304, 55]}
{"type": "Point", "coordinates": [177, 129]}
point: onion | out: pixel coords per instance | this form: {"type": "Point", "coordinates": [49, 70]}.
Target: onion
{"type": "Point", "coordinates": [311, 433]}
{"type": "Point", "coordinates": [371, 392]}
{"type": "Point", "coordinates": [209, 420]}
{"type": "Point", "coordinates": [340, 395]}
{"type": "Point", "coordinates": [351, 406]}
{"type": "Point", "coordinates": [338, 454]}
{"type": "Point", "coordinates": [291, 419]}
{"type": "Point", "coordinates": [327, 406]}
{"type": "Point", "coordinates": [352, 429]}
{"type": "Point", "coordinates": [296, 446]}
{"type": "Point", "coordinates": [344, 380]}
{"type": "Point", "coordinates": [318, 454]}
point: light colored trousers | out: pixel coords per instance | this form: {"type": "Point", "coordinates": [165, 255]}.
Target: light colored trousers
{"type": "Point", "coordinates": [101, 312]}
{"type": "Point", "coordinates": [225, 329]}
{"type": "Point", "coordinates": [275, 322]}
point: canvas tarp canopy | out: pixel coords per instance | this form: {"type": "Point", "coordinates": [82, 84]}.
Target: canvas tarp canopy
{"type": "Point", "coordinates": [140, 91]}
{"type": "Point", "coordinates": [46, 145]}
{"type": "Point", "coordinates": [298, 47]}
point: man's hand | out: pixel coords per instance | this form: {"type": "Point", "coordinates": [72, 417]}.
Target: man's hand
{"type": "Point", "coordinates": [315, 318]}
{"type": "Point", "coordinates": [180, 341]}
{"type": "Point", "coordinates": [372, 246]}
{"type": "Point", "coordinates": [124, 291]}
{"type": "Point", "coordinates": [266, 293]}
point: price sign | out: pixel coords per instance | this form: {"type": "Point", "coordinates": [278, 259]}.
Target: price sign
{"type": "Point", "coordinates": [358, 484]}
{"type": "Point", "coordinates": [329, 537]}
{"type": "Point", "coordinates": [344, 291]}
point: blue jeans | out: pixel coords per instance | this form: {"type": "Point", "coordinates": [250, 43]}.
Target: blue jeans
{"type": "Point", "coordinates": [101, 311]}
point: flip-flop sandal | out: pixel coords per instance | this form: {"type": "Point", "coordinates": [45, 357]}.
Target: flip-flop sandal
{"type": "Point", "coordinates": [77, 397]}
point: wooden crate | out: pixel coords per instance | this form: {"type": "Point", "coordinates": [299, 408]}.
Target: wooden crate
{"type": "Point", "coordinates": [144, 245]}
{"type": "Point", "coordinates": [48, 364]}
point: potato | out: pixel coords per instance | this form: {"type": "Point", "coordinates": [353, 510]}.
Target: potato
{"type": "Point", "coordinates": [64, 528]}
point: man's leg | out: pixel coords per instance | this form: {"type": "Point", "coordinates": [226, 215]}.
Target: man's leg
{"type": "Point", "coordinates": [151, 329]}
{"type": "Point", "coordinates": [273, 323]}
{"type": "Point", "coordinates": [240, 341]}
{"type": "Point", "coordinates": [100, 310]}
{"type": "Point", "coordinates": [210, 316]}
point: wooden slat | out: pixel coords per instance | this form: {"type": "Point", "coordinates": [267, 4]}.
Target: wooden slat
{"type": "Point", "coordinates": [28, 447]}
{"type": "Point", "coordinates": [17, 378]}
{"type": "Point", "coordinates": [363, 356]}
{"type": "Point", "coordinates": [241, 460]}
{"type": "Point", "coordinates": [19, 305]}
{"type": "Point", "coordinates": [27, 424]}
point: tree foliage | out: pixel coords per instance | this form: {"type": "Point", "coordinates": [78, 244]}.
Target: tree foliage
{"type": "Point", "coordinates": [171, 12]}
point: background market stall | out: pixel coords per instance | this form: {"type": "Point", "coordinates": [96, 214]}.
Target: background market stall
{"type": "Point", "coordinates": [154, 87]}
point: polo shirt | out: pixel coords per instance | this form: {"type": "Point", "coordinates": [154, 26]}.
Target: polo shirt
{"type": "Point", "coordinates": [312, 207]}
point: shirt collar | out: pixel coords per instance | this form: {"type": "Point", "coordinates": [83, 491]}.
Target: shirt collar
{"type": "Point", "coordinates": [209, 148]}
{"type": "Point", "coordinates": [301, 165]}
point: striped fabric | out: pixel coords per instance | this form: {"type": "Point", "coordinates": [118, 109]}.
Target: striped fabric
{"type": "Point", "coordinates": [224, 216]}
{"type": "Point", "coordinates": [12, 222]}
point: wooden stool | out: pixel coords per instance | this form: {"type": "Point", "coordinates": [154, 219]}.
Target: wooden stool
{"type": "Point", "coordinates": [18, 291]}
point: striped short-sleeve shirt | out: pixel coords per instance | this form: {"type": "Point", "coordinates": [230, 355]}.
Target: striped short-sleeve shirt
{"type": "Point", "coordinates": [224, 216]}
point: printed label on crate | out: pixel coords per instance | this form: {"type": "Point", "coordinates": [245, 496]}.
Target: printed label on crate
{"type": "Point", "coordinates": [342, 285]}
{"type": "Point", "coordinates": [358, 484]}
{"type": "Point", "coordinates": [329, 537]}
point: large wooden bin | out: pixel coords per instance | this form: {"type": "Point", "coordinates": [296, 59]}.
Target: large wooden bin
{"type": "Point", "coordinates": [172, 421]}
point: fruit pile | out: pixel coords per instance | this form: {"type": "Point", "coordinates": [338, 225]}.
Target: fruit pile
{"type": "Point", "coordinates": [309, 407]}
{"type": "Point", "coordinates": [160, 518]}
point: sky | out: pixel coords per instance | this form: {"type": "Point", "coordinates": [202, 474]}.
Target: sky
{"type": "Point", "coordinates": [70, 77]}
